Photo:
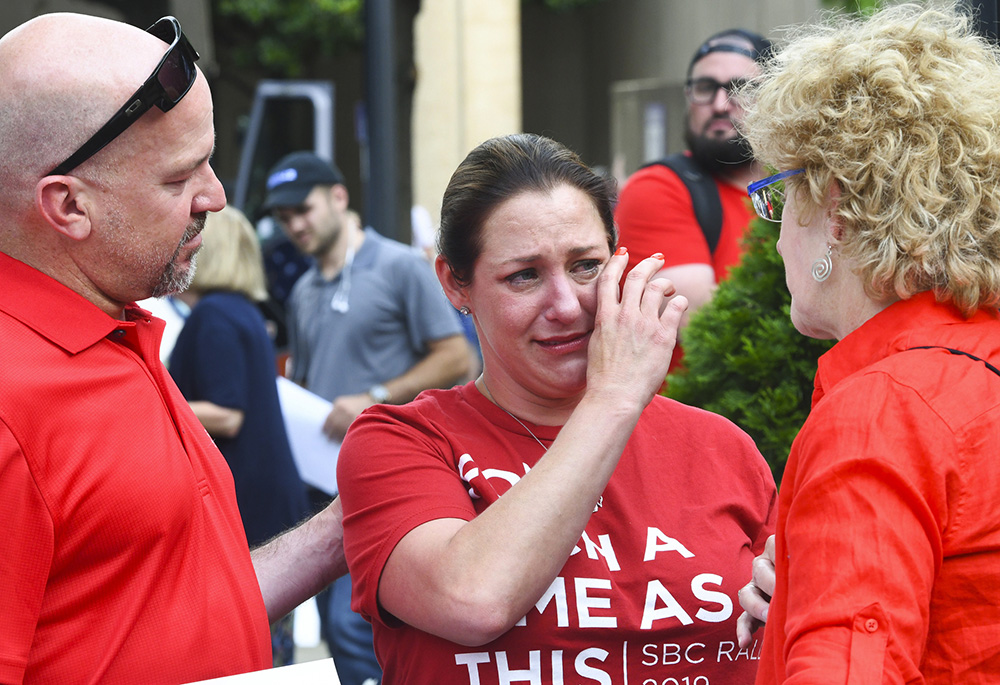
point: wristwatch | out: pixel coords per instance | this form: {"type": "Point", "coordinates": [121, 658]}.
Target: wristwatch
{"type": "Point", "coordinates": [379, 393]}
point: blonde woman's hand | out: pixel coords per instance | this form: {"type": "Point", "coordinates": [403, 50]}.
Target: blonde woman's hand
{"type": "Point", "coordinates": [755, 596]}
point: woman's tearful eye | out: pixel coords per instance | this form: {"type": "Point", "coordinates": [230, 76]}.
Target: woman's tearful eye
{"type": "Point", "coordinates": [522, 277]}
{"type": "Point", "coordinates": [589, 268]}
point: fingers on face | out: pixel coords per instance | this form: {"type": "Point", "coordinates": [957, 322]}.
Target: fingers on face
{"type": "Point", "coordinates": [639, 282]}
{"type": "Point", "coordinates": [611, 276]}
{"type": "Point", "coordinates": [654, 294]}
{"type": "Point", "coordinates": [642, 288]}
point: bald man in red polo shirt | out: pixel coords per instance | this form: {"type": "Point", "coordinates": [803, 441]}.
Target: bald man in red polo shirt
{"type": "Point", "coordinates": [123, 558]}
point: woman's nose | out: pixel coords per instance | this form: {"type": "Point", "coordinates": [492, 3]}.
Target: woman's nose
{"type": "Point", "coordinates": [564, 299]}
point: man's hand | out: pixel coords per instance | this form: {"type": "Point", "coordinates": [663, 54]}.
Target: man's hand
{"type": "Point", "coordinates": [755, 596]}
{"type": "Point", "coordinates": [345, 409]}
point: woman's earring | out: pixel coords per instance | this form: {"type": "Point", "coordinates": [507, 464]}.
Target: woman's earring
{"type": "Point", "coordinates": [822, 267]}
{"type": "Point", "coordinates": [464, 311]}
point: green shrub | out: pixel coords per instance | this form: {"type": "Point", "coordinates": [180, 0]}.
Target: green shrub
{"type": "Point", "coordinates": [744, 359]}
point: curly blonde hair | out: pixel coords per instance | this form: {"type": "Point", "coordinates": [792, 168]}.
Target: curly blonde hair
{"type": "Point", "coordinates": [902, 111]}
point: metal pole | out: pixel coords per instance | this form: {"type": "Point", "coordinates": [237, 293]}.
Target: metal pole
{"type": "Point", "coordinates": [380, 207]}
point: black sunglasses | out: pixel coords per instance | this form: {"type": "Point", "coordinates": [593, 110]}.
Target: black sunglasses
{"type": "Point", "coordinates": [169, 82]}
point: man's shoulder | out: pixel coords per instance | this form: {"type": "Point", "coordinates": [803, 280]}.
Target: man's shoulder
{"type": "Point", "coordinates": [658, 171]}
{"type": "Point", "coordinates": [44, 309]}
{"type": "Point", "coordinates": [660, 186]}
{"type": "Point", "coordinates": [678, 170]}
{"type": "Point", "coordinates": [308, 277]}
{"type": "Point", "coordinates": [399, 264]}
{"type": "Point", "coordinates": [675, 186]}
{"type": "Point", "coordinates": [391, 249]}
{"type": "Point", "coordinates": [23, 344]}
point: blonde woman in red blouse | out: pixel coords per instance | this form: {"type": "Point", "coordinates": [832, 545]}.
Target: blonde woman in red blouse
{"type": "Point", "coordinates": [886, 137]}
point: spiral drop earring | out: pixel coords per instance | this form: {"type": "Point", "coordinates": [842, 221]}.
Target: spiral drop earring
{"type": "Point", "coordinates": [822, 267]}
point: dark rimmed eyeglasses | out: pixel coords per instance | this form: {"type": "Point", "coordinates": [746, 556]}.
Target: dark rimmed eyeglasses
{"type": "Point", "coordinates": [701, 91]}
{"type": "Point", "coordinates": [170, 81]}
{"type": "Point", "coordinates": [768, 194]}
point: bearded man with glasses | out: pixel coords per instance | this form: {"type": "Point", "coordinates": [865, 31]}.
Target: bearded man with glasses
{"type": "Point", "coordinates": [692, 207]}
{"type": "Point", "coordinates": [124, 559]}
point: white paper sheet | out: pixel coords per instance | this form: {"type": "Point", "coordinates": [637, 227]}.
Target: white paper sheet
{"type": "Point", "coordinates": [315, 454]}
{"type": "Point", "coordinates": [321, 672]}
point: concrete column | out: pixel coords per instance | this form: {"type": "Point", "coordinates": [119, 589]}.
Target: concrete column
{"type": "Point", "coordinates": [468, 89]}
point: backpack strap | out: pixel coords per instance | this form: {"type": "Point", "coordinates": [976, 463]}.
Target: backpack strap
{"type": "Point", "coordinates": [965, 354]}
{"type": "Point", "coordinates": [704, 195]}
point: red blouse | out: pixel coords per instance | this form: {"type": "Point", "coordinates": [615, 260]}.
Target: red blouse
{"type": "Point", "coordinates": [888, 542]}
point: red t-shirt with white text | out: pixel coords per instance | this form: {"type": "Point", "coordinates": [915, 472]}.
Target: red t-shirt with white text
{"type": "Point", "coordinates": [649, 593]}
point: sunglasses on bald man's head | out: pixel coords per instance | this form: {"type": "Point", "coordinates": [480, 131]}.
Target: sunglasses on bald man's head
{"type": "Point", "coordinates": [170, 81]}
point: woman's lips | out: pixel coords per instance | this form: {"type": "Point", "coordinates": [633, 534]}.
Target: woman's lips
{"type": "Point", "coordinates": [565, 343]}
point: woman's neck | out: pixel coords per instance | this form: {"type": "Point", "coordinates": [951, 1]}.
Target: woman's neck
{"type": "Point", "coordinates": [525, 405]}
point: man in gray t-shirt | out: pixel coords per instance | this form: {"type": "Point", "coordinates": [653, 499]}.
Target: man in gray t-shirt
{"type": "Point", "coordinates": [368, 323]}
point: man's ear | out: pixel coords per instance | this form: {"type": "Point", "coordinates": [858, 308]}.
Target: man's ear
{"type": "Point", "coordinates": [456, 293]}
{"type": "Point", "coordinates": [339, 196]}
{"type": "Point", "coordinates": [64, 203]}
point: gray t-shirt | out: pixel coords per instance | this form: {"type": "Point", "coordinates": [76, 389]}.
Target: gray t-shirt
{"type": "Point", "coordinates": [395, 308]}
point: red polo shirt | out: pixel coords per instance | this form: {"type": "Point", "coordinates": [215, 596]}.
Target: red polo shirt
{"type": "Point", "coordinates": [888, 541]}
{"type": "Point", "coordinates": [123, 558]}
{"type": "Point", "coordinates": [655, 213]}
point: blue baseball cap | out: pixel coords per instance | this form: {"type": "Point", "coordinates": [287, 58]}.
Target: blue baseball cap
{"type": "Point", "coordinates": [294, 176]}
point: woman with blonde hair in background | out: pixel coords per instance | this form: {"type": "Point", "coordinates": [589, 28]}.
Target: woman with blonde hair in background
{"type": "Point", "coordinates": [886, 135]}
{"type": "Point", "coordinates": [224, 364]}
